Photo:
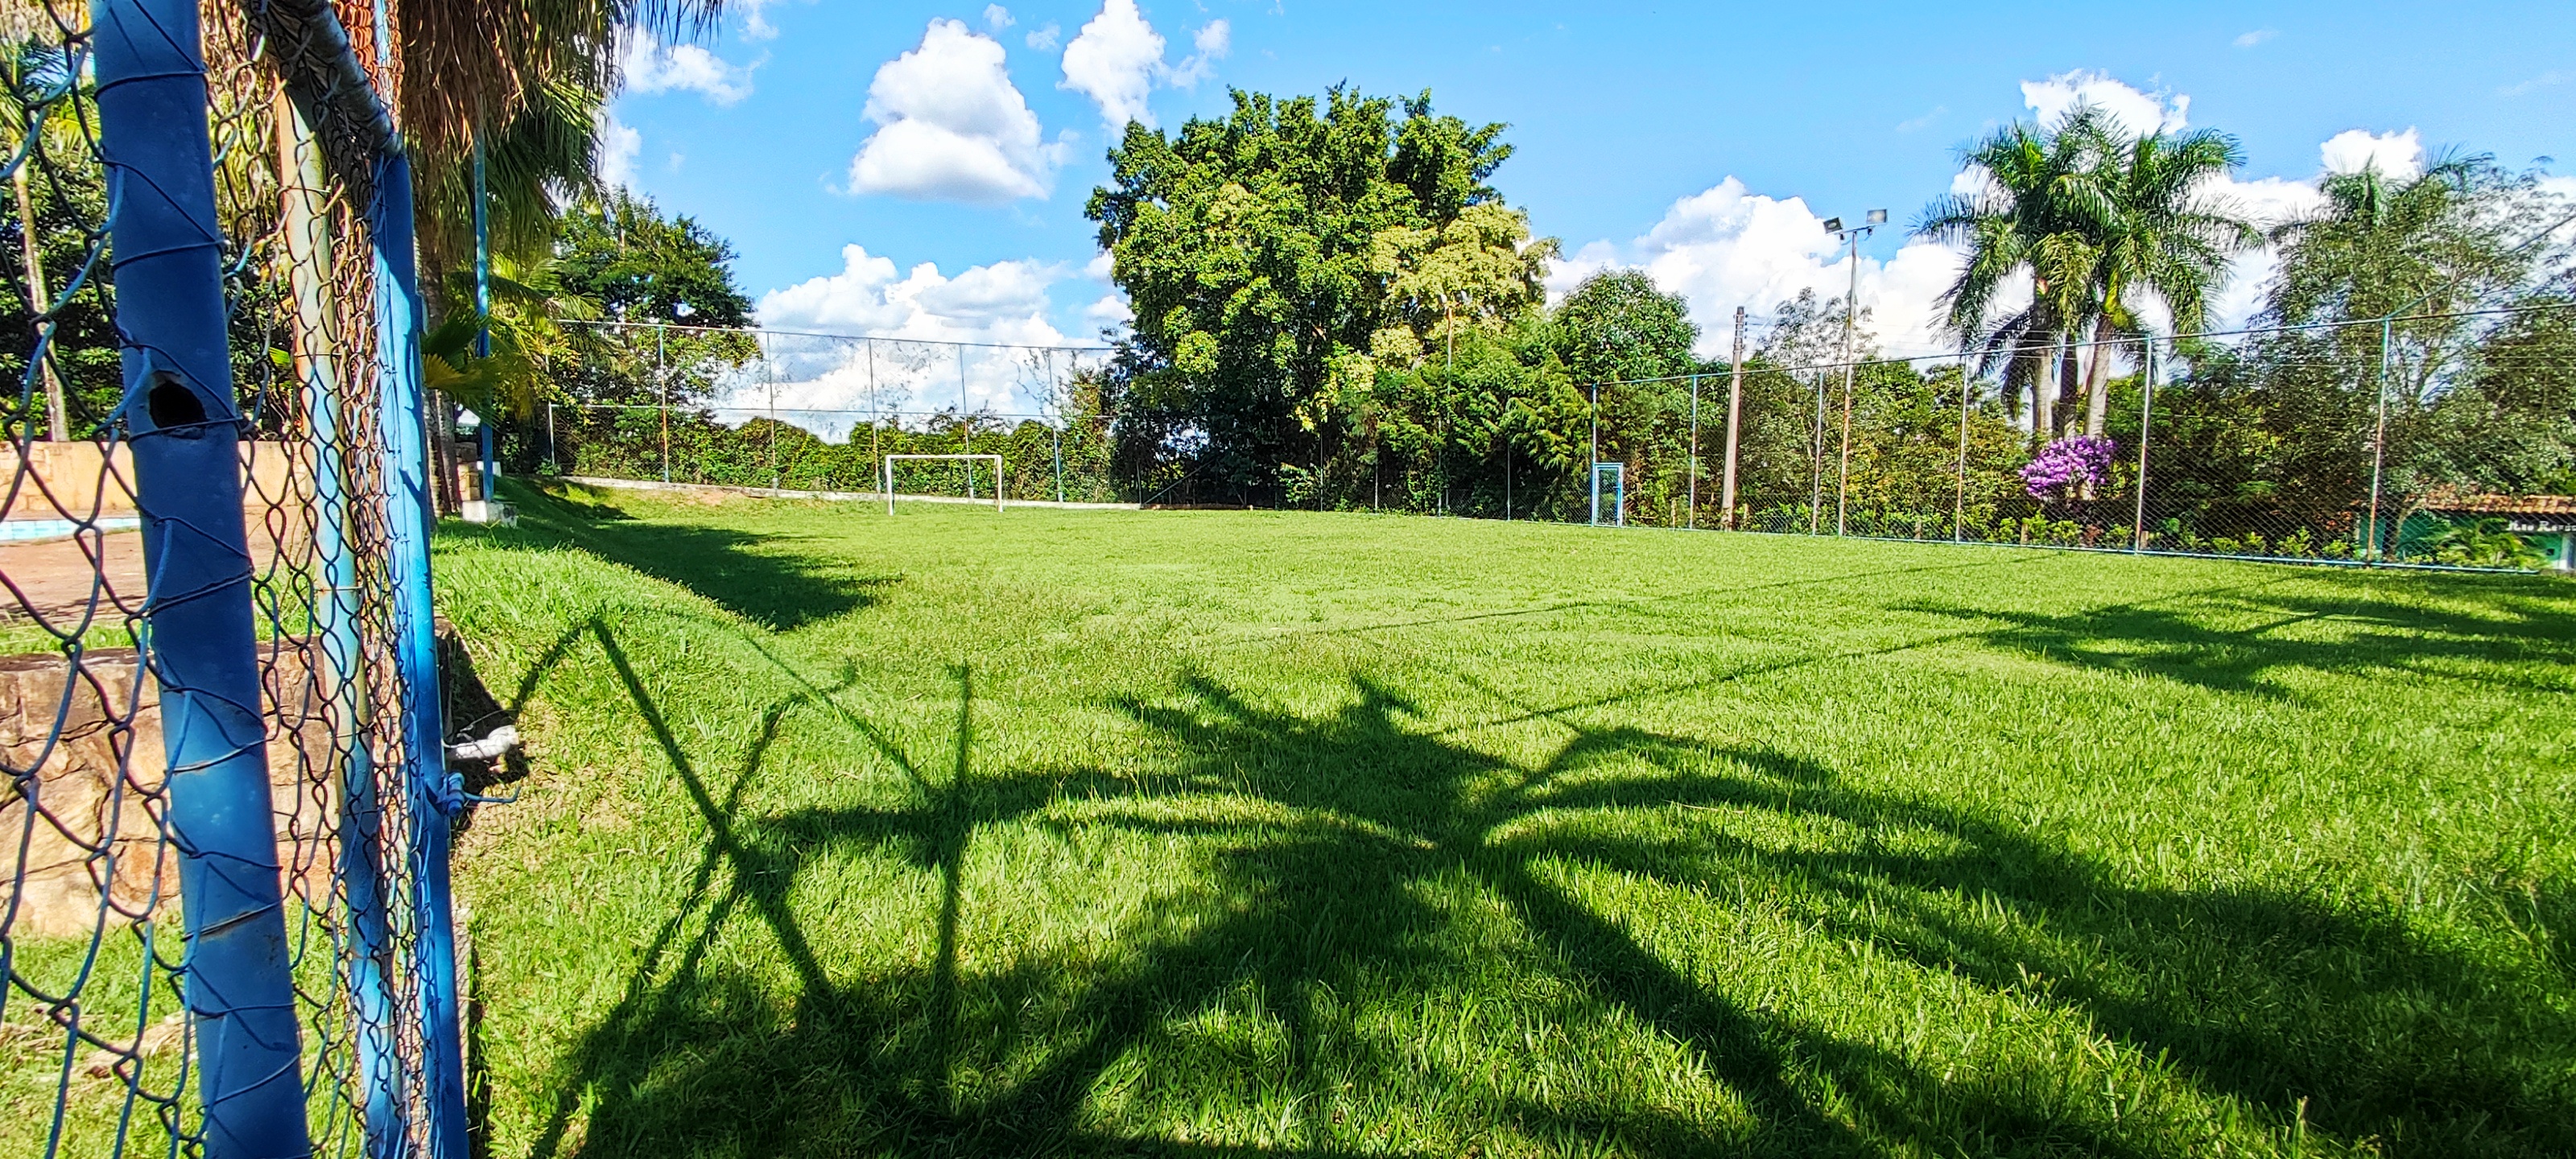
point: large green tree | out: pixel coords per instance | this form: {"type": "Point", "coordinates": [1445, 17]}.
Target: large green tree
{"type": "Point", "coordinates": [1265, 252]}
{"type": "Point", "coordinates": [1627, 344]}
{"type": "Point", "coordinates": [2419, 250]}
{"type": "Point", "coordinates": [2384, 280]}
{"type": "Point", "coordinates": [666, 278]}
{"type": "Point", "coordinates": [2378, 302]}
{"type": "Point", "coordinates": [1619, 326]}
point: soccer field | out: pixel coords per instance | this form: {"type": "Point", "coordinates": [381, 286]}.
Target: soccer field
{"type": "Point", "coordinates": [1217, 833]}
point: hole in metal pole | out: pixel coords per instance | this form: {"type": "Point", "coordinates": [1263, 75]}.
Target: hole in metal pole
{"type": "Point", "coordinates": [172, 404]}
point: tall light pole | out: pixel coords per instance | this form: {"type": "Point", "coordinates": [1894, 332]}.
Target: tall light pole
{"type": "Point", "coordinates": [1734, 417]}
{"type": "Point", "coordinates": [1851, 314]}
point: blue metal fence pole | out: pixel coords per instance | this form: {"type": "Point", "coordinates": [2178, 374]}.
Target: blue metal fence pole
{"type": "Point", "coordinates": [361, 820]}
{"type": "Point", "coordinates": [179, 413]}
{"type": "Point", "coordinates": [433, 798]}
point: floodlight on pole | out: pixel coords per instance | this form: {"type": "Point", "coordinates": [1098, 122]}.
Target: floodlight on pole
{"type": "Point", "coordinates": [1851, 315]}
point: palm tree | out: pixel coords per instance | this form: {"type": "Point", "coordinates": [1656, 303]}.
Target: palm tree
{"type": "Point", "coordinates": [526, 329]}
{"type": "Point", "coordinates": [525, 83]}
{"type": "Point", "coordinates": [2032, 219]}
{"type": "Point", "coordinates": [2426, 246]}
{"type": "Point", "coordinates": [2415, 254]}
{"type": "Point", "coordinates": [2159, 232]}
{"type": "Point", "coordinates": [2101, 220]}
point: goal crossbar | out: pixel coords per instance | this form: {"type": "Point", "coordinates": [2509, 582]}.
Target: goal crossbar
{"type": "Point", "coordinates": [888, 471]}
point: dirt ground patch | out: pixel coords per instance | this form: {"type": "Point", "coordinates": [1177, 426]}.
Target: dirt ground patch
{"type": "Point", "coordinates": [58, 580]}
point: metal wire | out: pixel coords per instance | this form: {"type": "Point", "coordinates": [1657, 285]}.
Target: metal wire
{"type": "Point", "coordinates": [92, 1026]}
{"type": "Point", "coordinates": [773, 408]}
{"type": "Point", "coordinates": [1938, 448]}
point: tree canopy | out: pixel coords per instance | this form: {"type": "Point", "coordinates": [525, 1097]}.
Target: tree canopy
{"type": "Point", "coordinates": [1274, 258]}
{"type": "Point", "coordinates": [619, 251]}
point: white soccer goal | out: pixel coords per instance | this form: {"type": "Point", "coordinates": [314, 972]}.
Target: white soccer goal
{"type": "Point", "coordinates": [970, 476]}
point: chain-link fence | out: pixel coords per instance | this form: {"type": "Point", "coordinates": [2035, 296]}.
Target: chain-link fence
{"type": "Point", "coordinates": [2376, 442]}
{"type": "Point", "coordinates": [815, 412]}
{"type": "Point", "coordinates": [228, 931]}
{"type": "Point", "coordinates": [2293, 443]}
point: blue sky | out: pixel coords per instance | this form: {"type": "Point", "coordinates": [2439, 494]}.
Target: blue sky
{"type": "Point", "coordinates": [1697, 141]}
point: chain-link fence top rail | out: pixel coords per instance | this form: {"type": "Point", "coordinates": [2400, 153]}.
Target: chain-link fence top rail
{"type": "Point", "coordinates": [2338, 451]}
{"type": "Point", "coordinates": [97, 1053]}
{"type": "Point", "coordinates": [805, 411]}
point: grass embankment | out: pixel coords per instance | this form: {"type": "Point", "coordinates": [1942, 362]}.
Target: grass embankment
{"type": "Point", "coordinates": [1216, 833]}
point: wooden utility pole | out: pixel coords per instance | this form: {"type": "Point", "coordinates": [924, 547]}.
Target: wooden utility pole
{"type": "Point", "coordinates": [1734, 419]}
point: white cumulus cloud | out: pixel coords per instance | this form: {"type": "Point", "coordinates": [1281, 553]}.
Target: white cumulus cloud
{"type": "Point", "coordinates": [2270, 201]}
{"type": "Point", "coordinates": [1003, 306]}
{"type": "Point", "coordinates": [952, 126]}
{"type": "Point", "coordinates": [1113, 61]}
{"type": "Point", "coordinates": [1117, 59]}
{"type": "Point", "coordinates": [1047, 38]}
{"type": "Point", "coordinates": [2266, 201]}
{"type": "Point", "coordinates": [997, 17]}
{"type": "Point", "coordinates": [2256, 37]}
{"type": "Point", "coordinates": [2135, 111]}
{"type": "Point", "coordinates": [619, 147]}
{"type": "Point", "coordinates": [649, 66]}
{"type": "Point", "coordinates": [2399, 155]}
{"type": "Point", "coordinates": [1728, 246]}
{"type": "Point", "coordinates": [1109, 311]}
{"type": "Point", "coordinates": [1213, 43]}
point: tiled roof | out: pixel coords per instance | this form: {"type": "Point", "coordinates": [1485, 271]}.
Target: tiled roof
{"type": "Point", "coordinates": [2467, 504]}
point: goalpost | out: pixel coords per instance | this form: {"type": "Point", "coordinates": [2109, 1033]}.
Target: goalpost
{"type": "Point", "coordinates": [970, 476]}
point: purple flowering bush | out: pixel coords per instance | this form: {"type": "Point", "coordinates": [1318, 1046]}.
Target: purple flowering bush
{"type": "Point", "coordinates": [2067, 462]}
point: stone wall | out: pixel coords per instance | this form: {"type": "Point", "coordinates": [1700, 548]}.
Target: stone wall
{"type": "Point", "coordinates": [95, 852]}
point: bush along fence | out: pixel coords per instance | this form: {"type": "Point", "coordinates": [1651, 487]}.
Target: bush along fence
{"type": "Point", "coordinates": [228, 931]}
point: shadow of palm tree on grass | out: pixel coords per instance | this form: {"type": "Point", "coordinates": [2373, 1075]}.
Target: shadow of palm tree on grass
{"type": "Point", "coordinates": [762, 578]}
{"type": "Point", "coordinates": [1363, 864]}
{"type": "Point", "coordinates": [2369, 634]}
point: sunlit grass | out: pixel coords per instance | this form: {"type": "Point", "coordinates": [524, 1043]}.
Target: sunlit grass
{"type": "Point", "coordinates": [1220, 833]}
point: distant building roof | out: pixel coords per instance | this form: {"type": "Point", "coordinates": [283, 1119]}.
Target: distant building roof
{"type": "Point", "coordinates": [2465, 503]}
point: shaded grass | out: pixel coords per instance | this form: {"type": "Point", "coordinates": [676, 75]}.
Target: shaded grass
{"type": "Point", "coordinates": [1235, 833]}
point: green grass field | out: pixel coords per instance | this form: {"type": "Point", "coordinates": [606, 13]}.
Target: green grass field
{"type": "Point", "coordinates": [1203, 833]}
